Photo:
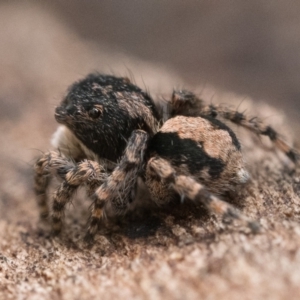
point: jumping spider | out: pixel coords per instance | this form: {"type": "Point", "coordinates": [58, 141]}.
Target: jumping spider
{"type": "Point", "coordinates": [111, 133]}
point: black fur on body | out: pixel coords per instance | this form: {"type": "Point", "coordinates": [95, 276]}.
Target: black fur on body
{"type": "Point", "coordinates": [109, 136]}
{"type": "Point", "coordinates": [102, 111]}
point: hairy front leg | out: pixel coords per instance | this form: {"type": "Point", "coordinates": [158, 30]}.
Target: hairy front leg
{"type": "Point", "coordinates": [117, 191]}
{"type": "Point", "coordinates": [86, 172]}
{"type": "Point", "coordinates": [73, 175]}
{"type": "Point", "coordinates": [52, 163]}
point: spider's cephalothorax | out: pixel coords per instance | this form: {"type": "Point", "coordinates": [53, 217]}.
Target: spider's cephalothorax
{"type": "Point", "coordinates": [109, 137]}
{"type": "Point", "coordinates": [102, 111]}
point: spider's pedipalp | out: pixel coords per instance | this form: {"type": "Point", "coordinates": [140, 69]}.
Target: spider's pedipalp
{"type": "Point", "coordinates": [116, 192]}
{"type": "Point", "coordinates": [188, 187]}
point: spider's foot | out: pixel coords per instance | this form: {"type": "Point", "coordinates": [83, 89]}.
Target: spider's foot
{"type": "Point", "coordinates": [42, 204]}
{"type": "Point", "coordinates": [56, 225]}
{"type": "Point", "coordinates": [92, 230]}
{"type": "Point", "coordinates": [44, 211]}
{"type": "Point", "coordinates": [89, 238]}
{"type": "Point", "coordinates": [231, 214]}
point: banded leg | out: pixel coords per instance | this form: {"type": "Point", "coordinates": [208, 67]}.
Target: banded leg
{"type": "Point", "coordinates": [51, 162]}
{"type": "Point", "coordinates": [60, 198]}
{"type": "Point", "coordinates": [54, 163]}
{"type": "Point", "coordinates": [253, 124]}
{"type": "Point", "coordinates": [86, 172]}
{"type": "Point", "coordinates": [41, 182]}
{"type": "Point", "coordinates": [188, 104]}
{"type": "Point", "coordinates": [116, 192]}
{"type": "Point", "coordinates": [190, 188]}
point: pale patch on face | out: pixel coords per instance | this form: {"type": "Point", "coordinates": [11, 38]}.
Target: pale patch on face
{"type": "Point", "coordinates": [64, 140]}
{"type": "Point", "coordinates": [68, 144]}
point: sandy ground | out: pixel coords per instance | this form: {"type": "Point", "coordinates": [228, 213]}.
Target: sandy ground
{"type": "Point", "coordinates": [179, 253]}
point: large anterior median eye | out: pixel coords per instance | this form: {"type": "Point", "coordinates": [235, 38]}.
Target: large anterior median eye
{"type": "Point", "coordinates": [94, 113]}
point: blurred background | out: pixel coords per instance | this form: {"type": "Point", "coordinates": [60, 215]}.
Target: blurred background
{"type": "Point", "coordinates": [251, 47]}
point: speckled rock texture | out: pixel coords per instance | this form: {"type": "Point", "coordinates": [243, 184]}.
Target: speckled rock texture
{"type": "Point", "coordinates": [178, 252]}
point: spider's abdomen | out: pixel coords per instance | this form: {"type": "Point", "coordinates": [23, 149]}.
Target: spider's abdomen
{"type": "Point", "coordinates": [204, 148]}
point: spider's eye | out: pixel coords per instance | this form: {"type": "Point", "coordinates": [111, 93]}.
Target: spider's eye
{"type": "Point", "coordinates": [94, 113]}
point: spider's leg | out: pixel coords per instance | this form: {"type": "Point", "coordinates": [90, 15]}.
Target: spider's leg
{"type": "Point", "coordinates": [51, 163]}
{"type": "Point", "coordinates": [86, 172]}
{"type": "Point", "coordinates": [188, 187]}
{"type": "Point", "coordinates": [61, 197]}
{"type": "Point", "coordinates": [116, 192]}
{"type": "Point", "coordinates": [188, 104]}
{"type": "Point", "coordinates": [185, 103]}
{"type": "Point", "coordinates": [253, 124]}
{"type": "Point", "coordinates": [41, 182]}
{"type": "Point", "coordinates": [72, 174]}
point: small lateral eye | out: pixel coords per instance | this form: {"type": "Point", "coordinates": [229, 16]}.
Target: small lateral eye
{"type": "Point", "coordinates": [94, 113]}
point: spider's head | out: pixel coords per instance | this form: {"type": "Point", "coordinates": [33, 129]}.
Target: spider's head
{"type": "Point", "coordinates": [102, 111]}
